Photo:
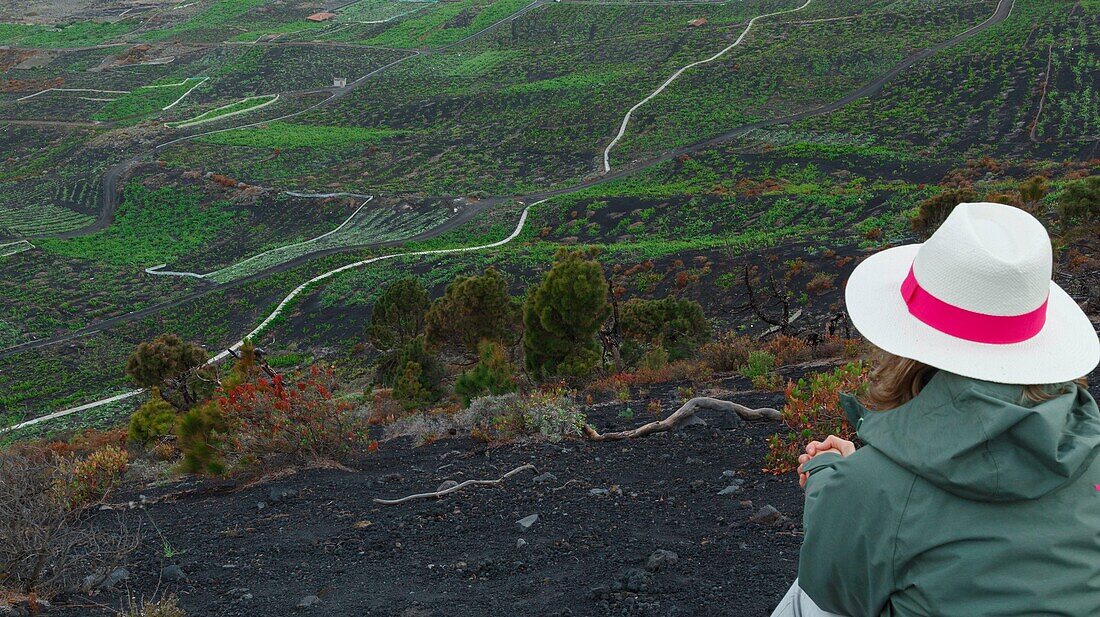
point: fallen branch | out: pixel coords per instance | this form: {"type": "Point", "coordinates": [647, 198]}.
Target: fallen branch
{"type": "Point", "coordinates": [682, 415]}
{"type": "Point", "coordinates": [457, 487]}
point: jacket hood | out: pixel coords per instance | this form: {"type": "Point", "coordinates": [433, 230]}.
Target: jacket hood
{"type": "Point", "coordinates": [980, 440]}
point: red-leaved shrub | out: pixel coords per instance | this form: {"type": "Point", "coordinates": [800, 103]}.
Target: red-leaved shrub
{"type": "Point", "coordinates": [271, 421]}
{"type": "Point", "coordinates": [813, 412]}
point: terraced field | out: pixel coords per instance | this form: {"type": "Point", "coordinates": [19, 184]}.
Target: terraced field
{"type": "Point", "coordinates": [190, 136]}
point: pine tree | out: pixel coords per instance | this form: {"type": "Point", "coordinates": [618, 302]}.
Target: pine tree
{"type": "Point", "coordinates": [398, 315]}
{"type": "Point", "coordinates": [168, 363]}
{"type": "Point", "coordinates": [493, 374]}
{"type": "Point", "coordinates": [562, 315]}
{"type": "Point", "coordinates": [472, 309]}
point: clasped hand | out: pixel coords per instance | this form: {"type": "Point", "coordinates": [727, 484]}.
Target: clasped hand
{"type": "Point", "coordinates": [832, 443]}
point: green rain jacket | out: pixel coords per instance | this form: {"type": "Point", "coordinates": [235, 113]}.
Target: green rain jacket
{"type": "Point", "coordinates": [965, 502]}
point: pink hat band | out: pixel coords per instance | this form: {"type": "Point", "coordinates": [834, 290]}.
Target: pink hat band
{"type": "Point", "coordinates": [969, 325]}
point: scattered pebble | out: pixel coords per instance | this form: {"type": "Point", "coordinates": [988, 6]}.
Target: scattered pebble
{"type": "Point", "coordinates": [172, 574]}
{"type": "Point", "coordinates": [661, 559]}
{"type": "Point", "coordinates": [308, 601]}
{"type": "Point", "coordinates": [767, 515]}
{"type": "Point", "coordinates": [526, 522]}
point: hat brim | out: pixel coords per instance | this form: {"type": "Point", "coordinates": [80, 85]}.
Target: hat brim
{"type": "Point", "coordinates": [1066, 348]}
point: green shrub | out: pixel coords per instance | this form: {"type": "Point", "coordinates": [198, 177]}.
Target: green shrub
{"type": "Point", "coordinates": [492, 375]}
{"type": "Point", "coordinates": [654, 359]}
{"type": "Point", "coordinates": [1079, 202]}
{"type": "Point", "coordinates": [549, 415]}
{"type": "Point", "coordinates": [679, 326]}
{"type": "Point", "coordinates": [168, 363]}
{"type": "Point", "coordinates": [408, 390]}
{"type": "Point", "coordinates": [759, 364]}
{"type": "Point", "coordinates": [552, 415]}
{"type": "Point", "coordinates": [199, 434]}
{"type": "Point", "coordinates": [932, 212]}
{"type": "Point", "coordinates": [152, 420]}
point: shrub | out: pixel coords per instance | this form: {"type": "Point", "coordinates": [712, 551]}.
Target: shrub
{"type": "Point", "coordinates": [153, 420]}
{"type": "Point", "coordinates": [408, 390]}
{"type": "Point", "coordinates": [728, 353]}
{"type": "Point", "coordinates": [619, 384]}
{"type": "Point", "coordinates": [561, 316]}
{"type": "Point", "coordinates": [932, 212]}
{"type": "Point", "coordinates": [492, 375]}
{"type": "Point", "coordinates": [473, 309]}
{"type": "Point", "coordinates": [813, 412]}
{"type": "Point", "coordinates": [546, 414]}
{"type": "Point", "coordinates": [677, 325]}
{"type": "Point", "coordinates": [417, 351]}
{"type": "Point", "coordinates": [272, 423]}
{"type": "Point", "coordinates": [654, 359]}
{"type": "Point", "coordinates": [1079, 202]}
{"type": "Point", "coordinates": [94, 477]}
{"type": "Point", "coordinates": [787, 349]}
{"type": "Point", "coordinates": [820, 283]}
{"type": "Point", "coordinates": [758, 364]}
{"type": "Point", "coordinates": [383, 408]}
{"type": "Point", "coordinates": [1032, 192]}
{"type": "Point", "coordinates": [552, 415]}
{"type": "Point", "coordinates": [167, 606]}
{"type": "Point", "coordinates": [198, 435]}
{"type": "Point", "coordinates": [47, 541]}
{"type": "Point", "coordinates": [398, 314]}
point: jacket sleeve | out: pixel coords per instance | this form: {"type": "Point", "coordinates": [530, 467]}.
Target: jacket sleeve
{"type": "Point", "coordinates": [853, 509]}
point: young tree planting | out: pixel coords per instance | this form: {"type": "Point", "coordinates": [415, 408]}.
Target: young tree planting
{"type": "Point", "coordinates": [562, 315]}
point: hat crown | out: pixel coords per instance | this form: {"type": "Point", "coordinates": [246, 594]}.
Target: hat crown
{"type": "Point", "coordinates": [987, 258]}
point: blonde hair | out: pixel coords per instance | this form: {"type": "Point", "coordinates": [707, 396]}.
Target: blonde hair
{"type": "Point", "coordinates": [896, 380]}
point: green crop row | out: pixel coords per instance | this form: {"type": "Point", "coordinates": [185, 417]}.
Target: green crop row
{"type": "Point", "coordinates": [285, 136]}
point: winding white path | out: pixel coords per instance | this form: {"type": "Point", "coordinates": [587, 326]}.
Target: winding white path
{"type": "Point", "coordinates": [626, 118]}
{"type": "Point", "coordinates": [279, 311]}
{"type": "Point", "coordinates": [157, 269]}
{"type": "Point", "coordinates": [184, 95]}
{"type": "Point", "coordinates": [200, 120]}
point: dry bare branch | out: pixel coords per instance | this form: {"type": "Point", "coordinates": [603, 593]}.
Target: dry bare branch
{"type": "Point", "coordinates": [457, 487]}
{"type": "Point", "coordinates": [684, 413]}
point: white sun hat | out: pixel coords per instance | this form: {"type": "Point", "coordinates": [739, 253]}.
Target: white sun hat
{"type": "Point", "coordinates": [977, 300]}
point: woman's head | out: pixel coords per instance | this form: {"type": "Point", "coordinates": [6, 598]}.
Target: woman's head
{"type": "Point", "coordinates": [896, 380]}
{"type": "Point", "coordinates": [977, 300]}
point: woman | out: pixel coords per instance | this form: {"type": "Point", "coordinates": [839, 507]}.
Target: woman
{"type": "Point", "coordinates": [977, 492]}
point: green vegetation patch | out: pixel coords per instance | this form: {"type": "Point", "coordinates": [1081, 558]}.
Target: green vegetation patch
{"type": "Point", "coordinates": [258, 31]}
{"type": "Point", "coordinates": [219, 14]}
{"type": "Point", "coordinates": [77, 34]}
{"type": "Point", "coordinates": [479, 64]}
{"type": "Point", "coordinates": [285, 136]}
{"type": "Point", "coordinates": [152, 226]}
{"type": "Point", "coordinates": [145, 100]}
{"type": "Point", "coordinates": [447, 24]}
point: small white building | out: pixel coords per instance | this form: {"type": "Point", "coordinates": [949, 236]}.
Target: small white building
{"type": "Point", "coordinates": [339, 82]}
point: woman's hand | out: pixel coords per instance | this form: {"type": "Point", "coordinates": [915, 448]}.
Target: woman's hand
{"type": "Point", "coordinates": [832, 443]}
